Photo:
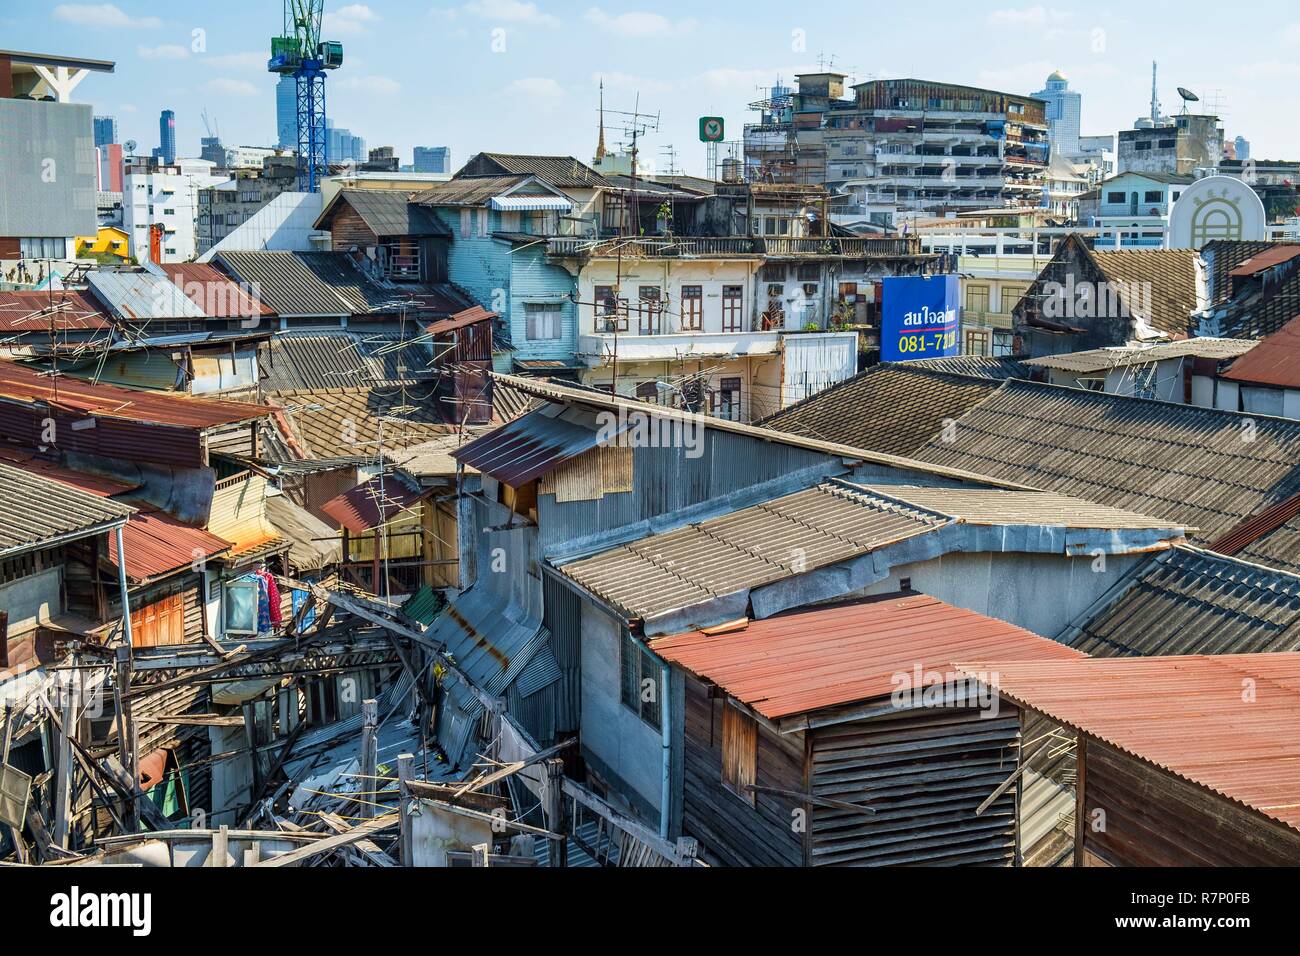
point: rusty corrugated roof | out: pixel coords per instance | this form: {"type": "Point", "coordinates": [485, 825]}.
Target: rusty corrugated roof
{"type": "Point", "coordinates": [28, 386]}
{"type": "Point", "coordinates": [158, 544]}
{"type": "Point", "coordinates": [218, 295]}
{"type": "Point", "coordinates": [1275, 360]}
{"type": "Point", "coordinates": [27, 311]}
{"type": "Point", "coordinates": [814, 658]}
{"type": "Point", "coordinates": [1190, 716]}
{"type": "Point", "coordinates": [530, 446]}
{"type": "Point", "coordinates": [36, 510]}
{"type": "Point", "coordinates": [373, 503]}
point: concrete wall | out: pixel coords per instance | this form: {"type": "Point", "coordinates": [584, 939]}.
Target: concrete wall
{"type": "Point", "coordinates": [32, 600]}
{"type": "Point", "coordinates": [1040, 592]}
{"type": "Point", "coordinates": [620, 745]}
{"type": "Point", "coordinates": [47, 166]}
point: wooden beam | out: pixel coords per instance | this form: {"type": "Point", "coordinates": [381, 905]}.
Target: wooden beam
{"type": "Point", "coordinates": [353, 835]}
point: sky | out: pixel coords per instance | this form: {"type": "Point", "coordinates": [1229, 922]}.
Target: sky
{"type": "Point", "coordinates": [522, 75]}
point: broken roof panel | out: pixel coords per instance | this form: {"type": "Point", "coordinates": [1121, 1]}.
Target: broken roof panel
{"type": "Point", "coordinates": [1186, 715]}
{"type": "Point", "coordinates": [67, 310]}
{"type": "Point", "coordinates": [819, 657]}
{"type": "Point", "coordinates": [37, 511]}
{"type": "Point", "coordinates": [531, 446]}
{"type": "Point", "coordinates": [337, 358]}
{"type": "Point", "coordinates": [374, 503]}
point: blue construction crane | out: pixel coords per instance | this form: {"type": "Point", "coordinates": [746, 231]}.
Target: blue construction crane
{"type": "Point", "coordinates": [299, 52]}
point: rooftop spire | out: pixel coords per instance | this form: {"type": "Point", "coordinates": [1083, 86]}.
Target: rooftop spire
{"type": "Point", "coordinates": [600, 142]}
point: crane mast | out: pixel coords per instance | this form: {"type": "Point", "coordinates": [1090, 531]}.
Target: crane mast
{"type": "Point", "coordinates": [299, 52]}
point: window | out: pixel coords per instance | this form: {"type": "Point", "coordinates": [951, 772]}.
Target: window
{"type": "Point", "coordinates": [1153, 195]}
{"type": "Point", "coordinates": [1116, 198]}
{"type": "Point", "coordinates": [42, 248]}
{"type": "Point", "coordinates": [726, 400]}
{"type": "Point", "coordinates": [977, 298]}
{"type": "Point", "coordinates": [649, 310]}
{"type": "Point", "coordinates": [1003, 343]}
{"type": "Point", "coordinates": [977, 342]}
{"type": "Point", "coordinates": [240, 607]}
{"type": "Point", "coordinates": [1174, 197]}
{"type": "Point", "coordinates": [613, 213]}
{"type": "Point", "coordinates": [810, 290]}
{"type": "Point", "coordinates": [545, 321]}
{"type": "Point", "coordinates": [773, 272]}
{"type": "Point", "coordinates": [739, 752]}
{"type": "Point", "coordinates": [640, 679]}
{"type": "Point", "coordinates": [611, 312]}
{"type": "Point", "coordinates": [810, 272]}
{"type": "Point", "coordinates": [692, 308]}
{"type": "Point", "coordinates": [733, 297]}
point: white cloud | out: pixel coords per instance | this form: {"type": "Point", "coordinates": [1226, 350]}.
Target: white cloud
{"type": "Point", "coordinates": [1292, 33]}
{"type": "Point", "coordinates": [378, 85]}
{"type": "Point", "coordinates": [729, 78]}
{"type": "Point", "coordinates": [347, 21]}
{"type": "Point", "coordinates": [229, 87]}
{"type": "Point", "coordinates": [1036, 16]}
{"type": "Point", "coordinates": [1270, 70]}
{"type": "Point", "coordinates": [100, 15]}
{"type": "Point", "coordinates": [254, 60]}
{"type": "Point", "coordinates": [164, 51]}
{"type": "Point", "coordinates": [637, 23]}
{"type": "Point", "coordinates": [541, 90]}
{"type": "Point", "coordinates": [517, 11]}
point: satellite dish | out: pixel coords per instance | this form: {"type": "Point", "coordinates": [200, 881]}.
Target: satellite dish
{"type": "Point", "coordinates": [129, 147]}
{"type": "Point", "coordinates": [1187, 95]}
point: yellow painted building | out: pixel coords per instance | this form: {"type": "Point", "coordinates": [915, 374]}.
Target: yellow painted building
{"type": "Point", "coordinates": [109, 241]}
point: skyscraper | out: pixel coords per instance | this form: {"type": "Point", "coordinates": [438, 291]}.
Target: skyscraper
{"type": "Point", "coordinates": [167, 137]}
{"type": "Point", "coordinates": [1242, 146]}
{"type": "Point", "coordinates": [105, 130]}
{"type": "Point", "coordinates": [1064, 107]}
{"type": "Point", "coordinates": [286, 113]}
{"type": "Point", "coordinates": [432, 159]}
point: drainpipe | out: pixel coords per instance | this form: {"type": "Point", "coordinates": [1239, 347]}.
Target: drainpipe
{"type": "Point", "coordinates": [121, 583]}
{"type": "Point", "coordinates": [666, 766]}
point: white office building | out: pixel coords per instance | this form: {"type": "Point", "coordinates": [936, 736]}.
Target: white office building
{"type": "Point", "coordinates": [1064, 107]}
{"type": "Point", "coordinates": [167, 196]}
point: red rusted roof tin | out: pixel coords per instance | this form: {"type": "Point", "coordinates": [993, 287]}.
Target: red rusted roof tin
{"type": "Point", "coordinates": [1274, 361]}
{"type": "Point", "coordinates": [94, 484]}
{"type": "Point", "coordinates": [471, 316]}
{"type": "Point", "coordinates": [1265, 260]}
{"type": "Point", "coordinates": [158, 544]}
{"type": "Point", "coordinates": [373, 503]}
{"type": "Point", "coordinates": [218, 295]}
{"type": "Point", "coordinates": [21, 384]}
{"type": "Point", "coordinates": [814, 658]}
{"type": "Point", "coordinates": [1188, 715]}
{"type": "Point", "coordinates": [27, 311]}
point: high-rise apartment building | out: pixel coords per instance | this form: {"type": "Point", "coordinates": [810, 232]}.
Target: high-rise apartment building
{"type": "Point", "coordinates": [105, 130]}
{"type": "Point", "coordinates": [432, 159]}
{"type": "Point", "coordinates": [1064, 108]}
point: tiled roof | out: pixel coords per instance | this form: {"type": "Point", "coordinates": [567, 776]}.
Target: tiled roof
{"type": "Point", "coordinates": [36, 509]}
{"type": "Point", "coordinates": [1098, 360]}
{"type": "Point", "coordinates": [344, 422]}
{"type": "Point", "coordinates": [1200, 467]}
{"type": "Point", "coordinates": [976, 366]}
{"type": "Point", "coordinates": [1222, 256]}
{"type": "Point", "coordinates": [819, 657]}
{"type": "Point", "coordinates": [1186, 601]}
{"type": "Point", "coordinates": [388, 212]}
{"type": "Point", "coordinates": [560, 171]}
{"type": "Point", "coordinates": [889, 408]}
{"type": "Point", "coordinates": [466, 192]}
{"type": "Point", "coordinates": [1279, 548]}
{"type": "Point", "coordinates": [1170, 275]}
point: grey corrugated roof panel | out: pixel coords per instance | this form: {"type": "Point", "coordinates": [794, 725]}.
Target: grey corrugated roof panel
{"type": "Point", "coordinates": [141, 296]}
{"type": "Point", "coordinates": [362, 294]}
{"type": "Point", "coordinates": [1279, 548]}
{"type": "Point", "coordinates": [489, 642]}
{"type": "Point", "coordinates": [556, 170]}
{"type": "Point", "coordinates": [994, 369]}
{"type": "Point", "coordinates": [530, 446]}
{"type": "Point", "coordinates": [1199, 467]}
{"type": "Point", "coordinates": [542, 671]}
{"type": "Point", "coordinates": [285, 283]}
{"type": "Point", "coordinates": [466, 192]}
{"type": "Point", "coordinates": [1000, 506]}
{"type": "Point", "coordinates": [1189, 601]}
{"type": "Point", "coordinates": [36, 511]}
{"type": "Point", "coordinates": [390, 212]}
{"type": "Point", "coordinates": [790, 535]}
{"type": "Point", "coordinates": [342, 359]}
{"type": "Point", "coordinates": [1098, 360]}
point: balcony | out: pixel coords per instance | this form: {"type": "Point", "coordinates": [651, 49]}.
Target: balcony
{"type": "Point", "coordinates": [597, 350]}
{"type": "Point", "coordinates": [733, 246]}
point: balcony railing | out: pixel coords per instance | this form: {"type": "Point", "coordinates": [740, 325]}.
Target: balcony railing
{"type": "Point", "coordinates": [708, 248]}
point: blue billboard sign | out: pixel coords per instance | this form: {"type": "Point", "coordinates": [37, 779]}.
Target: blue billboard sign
{"type": "Point", "coordinates": [919, 317]}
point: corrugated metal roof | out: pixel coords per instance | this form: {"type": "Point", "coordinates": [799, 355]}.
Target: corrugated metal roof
{"type": "Point", "coordinates": [158, 544]}
{"type": "Point", "coordinates": [386, 212]}
{"type": "Point", "coordinates": [747, 549]}
{"type": "Point", "coordinates": [1275, 360]}
{"type": "Point", "coordinates": [814, 658]}
{"type": "Point", "coordinates": [284, 283]}
{"type": "Point", "coordinates": [341, 359]}
{"type": "Point", "coordinates": [28, 386]}
{"type": "Point", "coordinates": [373, 503]}
{"type": "Point", "coordinates": [214, 292]}
{"type": "Point", "coordinates": [91, 484]}
{"type": "Point", "coordinates": [141, 296]}
{"type": "Point", "coordinates": [36, 509]}
{"type": "Point", "coordinates": [1100, 360]}
{"type": "Point", "coordinates": [976, 366]}
{"type": "Point", "coordinates": [531, 203]}
{"type": "Point", "coordinates": [433, 458]}
{"type": "Point", "coordinates": [34, 311]}
{"type": "Point", "coordinates": [1005, 507]}
{"type": "Point", "coordinates": [1186, 601]}
{"type": "Point", "coordinates": [555, 170]}
{"type": "Point", "coordinates": [1273, 256]}
{"type": "Point", "coordinates": [467, 192]}
{"type": "Point", "coordinates": [1186, 715]}
{"type": "Point", "coordinates": [889, 408]}
{"type": "Point", "coordinates": [1198, 467]}
{"type": "Point", "coordinates": [531, 445]}
{"type": "Point", "coordinates": [348, 422]}
{"type": "Point", "coordinates": [471, 316]}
